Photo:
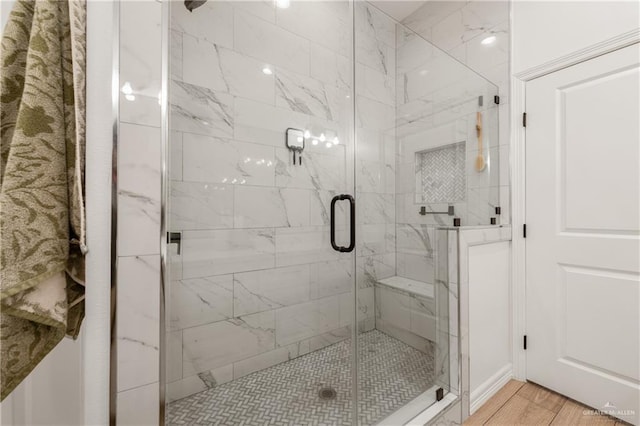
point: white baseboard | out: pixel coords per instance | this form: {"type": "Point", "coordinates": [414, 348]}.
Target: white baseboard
{"type": "Point", "coordinates": [490, 387]}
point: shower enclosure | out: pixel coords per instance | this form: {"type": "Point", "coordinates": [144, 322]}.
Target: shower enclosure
{"type": "Point", "coordinates": [318, 154]}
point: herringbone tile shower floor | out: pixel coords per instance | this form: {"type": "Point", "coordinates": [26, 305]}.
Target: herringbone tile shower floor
{"type": "Point", "coordinates": [392, 374]}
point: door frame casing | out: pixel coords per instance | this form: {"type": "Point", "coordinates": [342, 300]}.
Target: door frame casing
{"type": "Point", "coordinates": [518, 178]}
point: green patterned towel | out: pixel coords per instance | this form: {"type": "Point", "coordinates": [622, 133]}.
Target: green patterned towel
{"type": "Point", "coordinates": [42, 229]}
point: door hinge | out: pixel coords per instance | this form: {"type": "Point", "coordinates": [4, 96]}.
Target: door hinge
{"type": "Point", "coordinates": [496, 100]}
{"type": "Point", "coordinates": [524, 119]}
{"type": "Point", "coordinates": [524, 230]}
{"type": "Point", "coordinates": [525, 342]}
{"type": "Point", "coordinates": [439, 394]}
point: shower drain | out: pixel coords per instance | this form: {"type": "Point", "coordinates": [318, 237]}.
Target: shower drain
{"type": "Point", "coordinates": [327, 393]}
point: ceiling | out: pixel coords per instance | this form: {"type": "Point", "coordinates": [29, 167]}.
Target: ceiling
{"type": "Point", "coordinates": [398, 9]}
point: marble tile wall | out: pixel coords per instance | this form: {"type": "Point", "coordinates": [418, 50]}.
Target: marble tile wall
{"type": "Point", "coordinates": [256, 269]}
{"type": "Point", "coordinates": [375, 62]}
{"type": "Point", "coordinates": [406, 316]}
{"type": "Point", "coordinates": [138, 247]}
{"type": "Point", "coordinates": [437, 101]}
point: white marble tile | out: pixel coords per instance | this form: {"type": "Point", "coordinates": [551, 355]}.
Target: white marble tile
{"type": "Point", "coordinates": [423, 20]}
{"type": "Point", "coordinates": [215, 160]}
{"type": "Point", "coordinates": [175, 155]}
{"type": "Point", "coordinates": [201, 301]}
{"type": "Point", "coordinates": [469, 21]}
{"type": "Point", "coordinates": [138, 190]}
{"type": "Point", "coordinates": [394, 307]}
{"type": "Point", "coordinates": [330, 68]}
{"type": "Point", "coordinates": [137, 321]}
{"type": "Point", "coordinates": [196, 205]}
{"type": "Point", "coordinates": [371, 269]}
{"type": "Point", "coordinates": [375, 239]}
{"type": "Point", "coordinates": [482, 57]}
{"type": "Point", "coordinates": [308, 96]}
{"type": "Point", "coordinates": [140, 109]}
{"type": "Point", "coordinates": [365, 303]}
{"type": "Point", "coordinates": [320, 210]}
{"type": "Point", "coordinates": [440, 72]}
{"type": "Point", "coordinates": [220, 343]}
{"type": "Point", "coordinates": [329, 338]}
{"type": "Point", "coordinates": [185, 387]}
{"type": "Point", "coordinates": [175, 55]}
{"type": "Point", "coordinates": [480, 206]}
{"type": "Point", "coordinates": [224, 70]}
{"type": "Point", "coordinates": [375, 54]}
{"type": "Point", "coordinates": [199, 110]}
{"type": "Point", "coordinates": [270, 207]}
{"type": "Point", "coordinates": [259, 115]}
{"type": "Point", "coordinates": [330, 278]}
{"type": "Point", "coordinates": [139, 406]}
{"type": "Point", "coordinates": [140, 62]}
{"type": "Point", "coordinates": [375, 85]}
{"type": "Point", "coordinates": [264, 360]}
{"type": "Point", "coordinates": [375, 24]}
{"type": "Point", "coordinates": [409, 286]}
{"type": "Point", "coordinates": [374, 115]}
{"type": "Point", "coordinates": [265, 124]}
{"type": "Point", "coordinates": [415, 266]}
{"type": "Point", "coordinates": [259, 291]}
{"type": "Point", "coordinates": [374, 176]}
{"type": "Point", "coordinates": [412, 52]}
{"type": "Point", "coordinates": [263, 9]}
{"type": "Point", "coordinates": [376, 208]}
{"type": "Point", "coordinates": [199, 382]}
{"type": "Point", "coordinates": [319, 23]}
{"type": "Point", "coordinates": [173, 355]}
{"type": "Point", "coordinates": [423, 320]}
{"type": "Point", "coordinates": [373, 146]}
{"type": "Point", "coordinates": [504, 193]}
{"type": "Point", "coordinates": [295, 246]}
{"type": "Point", "coordinates": [301, 321]}
{"type": "Point", "coordinates": [318, 171]}
{"type": "Point", "coordinates": [213, 21]}
{"type": "Point", "coordinates": [207, 253]}
{"type": "Point", "coordinates": [415, 239]}
{"type": "Point", "coordinates": [269, 43]}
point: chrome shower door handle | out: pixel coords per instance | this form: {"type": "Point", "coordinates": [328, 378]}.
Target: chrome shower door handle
{"type": "Point", "coordinates": [352, 220]}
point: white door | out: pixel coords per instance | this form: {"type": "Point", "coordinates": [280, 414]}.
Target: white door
{"type": "Point", "coordinates": [583, 246]}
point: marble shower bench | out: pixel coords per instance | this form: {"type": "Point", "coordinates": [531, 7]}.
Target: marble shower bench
{"type": "Point", "coordinates": [405, 309]}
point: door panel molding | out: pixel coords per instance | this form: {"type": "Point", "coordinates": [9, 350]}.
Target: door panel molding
{"type": "Point", "coordinates": [590, 52]}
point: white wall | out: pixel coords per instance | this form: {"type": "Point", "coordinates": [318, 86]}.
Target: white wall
{"type": "Point", "coordinates": [489, 317]}
{"type": "Point", "coordinates": [5, 8]}
{"type": "Point", "coordinates": [97, 329]}
{"type": "Point", "coordinates": [546, 30]}
{"type": "Point", "coordinates": [52, 393]}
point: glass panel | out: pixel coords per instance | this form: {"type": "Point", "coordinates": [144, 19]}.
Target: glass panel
{"type": "Point", "coordinates": [260, 307]}
{"type": "Point", "coordinates": [426, 153]}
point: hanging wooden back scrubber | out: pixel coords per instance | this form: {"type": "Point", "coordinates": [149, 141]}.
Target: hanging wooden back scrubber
{"type": "Point", "coordinates": [480, 163]}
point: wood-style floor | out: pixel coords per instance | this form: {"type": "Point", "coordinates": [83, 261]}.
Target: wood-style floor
{"type": "Point", "coordinates": [519, 403]}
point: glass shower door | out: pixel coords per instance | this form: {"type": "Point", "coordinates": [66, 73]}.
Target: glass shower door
{"type": "Point", "coordinates": [422, 118]}
{"type": "Point", "coordinates": [259, 305]}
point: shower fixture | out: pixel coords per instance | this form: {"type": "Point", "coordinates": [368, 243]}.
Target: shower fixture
{"type": "Point", "coordinates": [295, 142]}
{"type": "Point", "coordinates": [193, 4]}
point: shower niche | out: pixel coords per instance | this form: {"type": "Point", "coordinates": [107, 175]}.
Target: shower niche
{"type": "Point", "coordinates": [440, 174]}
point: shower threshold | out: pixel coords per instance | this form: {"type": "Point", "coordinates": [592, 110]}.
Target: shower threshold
{"type": "Point", "coordinates": [392, 374]}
